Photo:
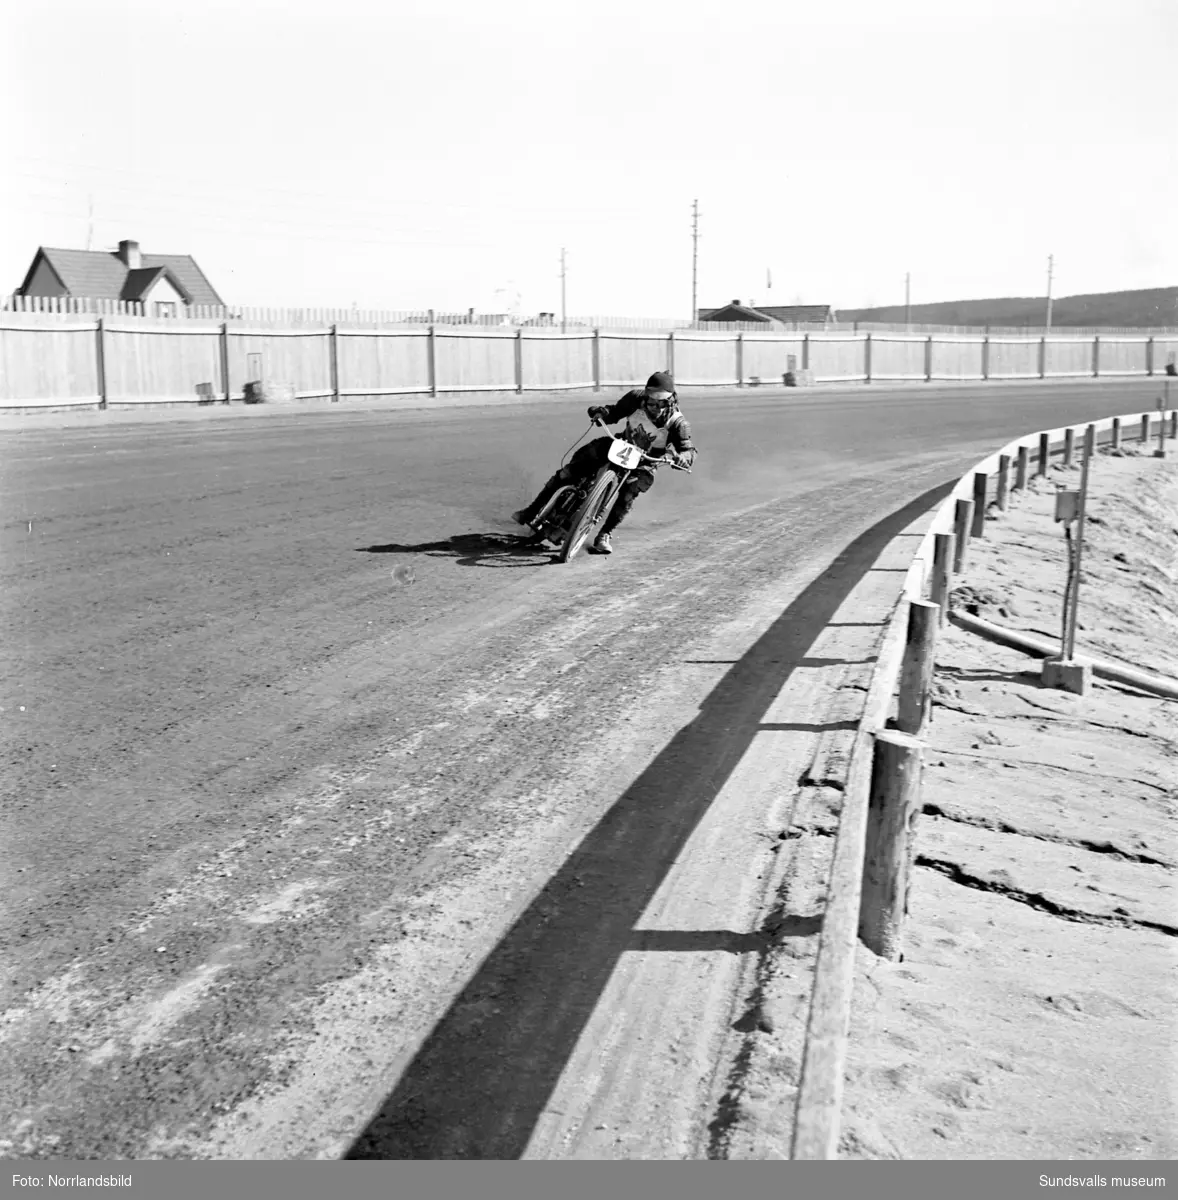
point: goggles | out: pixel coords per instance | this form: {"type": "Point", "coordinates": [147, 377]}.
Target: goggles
{"type": "Point", "coordinates": [663, 398]}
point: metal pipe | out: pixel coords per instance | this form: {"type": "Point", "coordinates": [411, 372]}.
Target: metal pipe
{"type": "Point", "coordinates": [1040, 647]}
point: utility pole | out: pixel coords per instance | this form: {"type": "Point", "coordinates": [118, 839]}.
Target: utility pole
{"type": "Point", "coordinates": [908, 300]}
{"type": "Point", "coordinates": [562, 293]}
{"type": "Point", "coordinates": [694, 258]}
{"type": "Point", "coordinates": [1050, 269]}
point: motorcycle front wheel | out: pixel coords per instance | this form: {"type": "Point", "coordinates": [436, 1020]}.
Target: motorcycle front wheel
{"type": "Point", "coordinates": [601, 494]}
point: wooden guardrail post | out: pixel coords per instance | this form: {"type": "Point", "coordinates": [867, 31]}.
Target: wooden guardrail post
{"type": "Point", "coordinates": [986, 357]}
{"type": "Point", "coordinates": [981, 482]}
{"type": "Point", "coordinates": [519, 362]}
{"type": "Point", "coordinates": [740, 359]}
{"type": "Point", "coordinates": [1069, 447]}
{"type": "Point", "coordinates": [1145, 427]}
{"type": "Point", "coordinates": [867, 357]}
{"type": "Point", "coordinates": [1003, 482]}
{"type": "Point", "coordinates": [962, 520]}
{"type": "Point", "coordinates": [597, 360]}
{"type": "Point", "coordinates": [916, 673]}
{"type": "Point", "coordinates": [1096, 356]}
{"type": "Point", "coordinates": [1116, 433]}
{"type": "Point", "coordinates": [1174, 424]}
{"type": "Point", "coordinates": [928, 359]}
{"type": "Point", "coordinates": [1044, 454]}
{"type": "Point", "coordinates": [893, 806]}
{"type": "Point", "coordinates": [942, 571]}
{"type": "Point", "coordinates": [1020, 476]}
{"type": "Point", "coordinates": [671, 353]}
{"type": "Point", "coordinates": [1043, 358]}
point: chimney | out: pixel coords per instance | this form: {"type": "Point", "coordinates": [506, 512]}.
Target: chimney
{"type": "Point", "coordinates": [735, 301]}
{"type": "Point", "coordinates": [129, 253]}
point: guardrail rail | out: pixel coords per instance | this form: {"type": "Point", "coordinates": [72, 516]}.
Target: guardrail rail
{"type": "Point", "coordinates": [873, 850]}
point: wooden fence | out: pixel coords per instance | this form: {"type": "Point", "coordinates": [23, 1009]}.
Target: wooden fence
{"type": "Point", "coordinates": [115, 360]}
{"type": "Point", "coordinates": [51, 307]}
{"type": "Point", "coordinates": [65, 306]}
{"type": "Point", "coordinates": [867, 889]}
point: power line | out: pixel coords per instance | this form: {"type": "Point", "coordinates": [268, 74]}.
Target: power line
{"type": "Point", "coordinates": [187, 186]}
{"type": "Point", "coordinates": [308, 229]}
{"type": "Point", "coordinates": [267, 231]}
{"type": "Point", "coordinates": [373, 223]}
{"type": "Point", "coordinates": [270, 216]}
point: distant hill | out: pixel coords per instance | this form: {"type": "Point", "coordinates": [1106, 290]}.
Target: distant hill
{"type": "Point", "coordinates": [1138, 309]}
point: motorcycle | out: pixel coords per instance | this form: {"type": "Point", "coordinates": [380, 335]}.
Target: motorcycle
{"type": "Point", "coordinates": [576, 510]}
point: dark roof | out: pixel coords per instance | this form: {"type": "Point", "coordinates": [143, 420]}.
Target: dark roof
{"type": "Point", "coordinates": [102, 274]}
{"type": "Point", "coordinates": [141, 280]}
{"type": "Point", "coordinates": [187, 273]}
{"type": "Point", "coordinates": [797, 312]}
{"type": "Point", "coordinates": [733, 312]}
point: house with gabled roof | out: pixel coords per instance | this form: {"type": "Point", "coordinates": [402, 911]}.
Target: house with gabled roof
{"type": "Point", "coordinates": [163, 284]}
{"type": "Point", "coordinates": [784, 314]}
{"type": "Point", "coordinates": [734, 312]}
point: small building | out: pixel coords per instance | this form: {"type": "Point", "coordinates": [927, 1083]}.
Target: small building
{"type": "Point", "coordinates": [735, 311]}
{"type": "Point", "coordinates": [162, 284]}
{"type": "Point", "coordinates": [772, 315]}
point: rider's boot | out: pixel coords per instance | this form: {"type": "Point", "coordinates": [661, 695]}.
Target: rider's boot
{"type": "Point", "coordinates": [604, 543]}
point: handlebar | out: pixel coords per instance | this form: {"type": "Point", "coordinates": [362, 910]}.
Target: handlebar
{"type": "Point", "coordinates": [655, 458]}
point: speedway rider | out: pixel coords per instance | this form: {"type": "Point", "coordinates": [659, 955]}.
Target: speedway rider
{"type": "Point", "coordinates": [653, 423]}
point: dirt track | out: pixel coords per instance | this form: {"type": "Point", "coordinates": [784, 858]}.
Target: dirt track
{"type": "Point", "coordinates": [268, 812]}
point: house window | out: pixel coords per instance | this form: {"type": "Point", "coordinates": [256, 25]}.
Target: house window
{"type": "Point", "coordinates": [165, 308]}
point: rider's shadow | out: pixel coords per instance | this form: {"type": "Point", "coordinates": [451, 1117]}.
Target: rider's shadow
{"type": "Point", "coordinates": [477, 550]}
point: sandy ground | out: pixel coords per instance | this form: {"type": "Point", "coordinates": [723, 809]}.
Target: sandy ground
{"type": "Point", "coordinates": [1033, 1014]}
{"type": "Point", "coordinates": [303, 862]}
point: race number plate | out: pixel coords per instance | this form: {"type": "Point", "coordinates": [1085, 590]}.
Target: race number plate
{"type": "Point", "coordinates": [624, 455]}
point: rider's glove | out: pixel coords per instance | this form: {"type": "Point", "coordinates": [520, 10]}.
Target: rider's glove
{"type": "Point", "coordinates": [597, 413]}
{"type": "Point", "coordinates": [685, 458]}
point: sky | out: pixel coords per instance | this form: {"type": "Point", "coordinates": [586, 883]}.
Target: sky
{"type": "Point", "coordinates": [413, 154]}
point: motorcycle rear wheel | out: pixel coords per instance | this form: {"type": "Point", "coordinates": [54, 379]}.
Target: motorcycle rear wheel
{"type": "Point", "coordinates": [597, 503]}
{"type": "Point", "coordinates": [550, 521]}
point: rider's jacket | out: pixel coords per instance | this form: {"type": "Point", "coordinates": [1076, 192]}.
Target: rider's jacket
{"type": "Point", "coordinates": [652, 436]}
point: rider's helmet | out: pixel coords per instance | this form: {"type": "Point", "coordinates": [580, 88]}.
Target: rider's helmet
{"type": "Point", "coordinates": [659, 395]}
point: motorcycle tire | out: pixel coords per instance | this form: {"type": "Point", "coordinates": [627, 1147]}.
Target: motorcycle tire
{"type": "Point", "coordinates": [601, 495]}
